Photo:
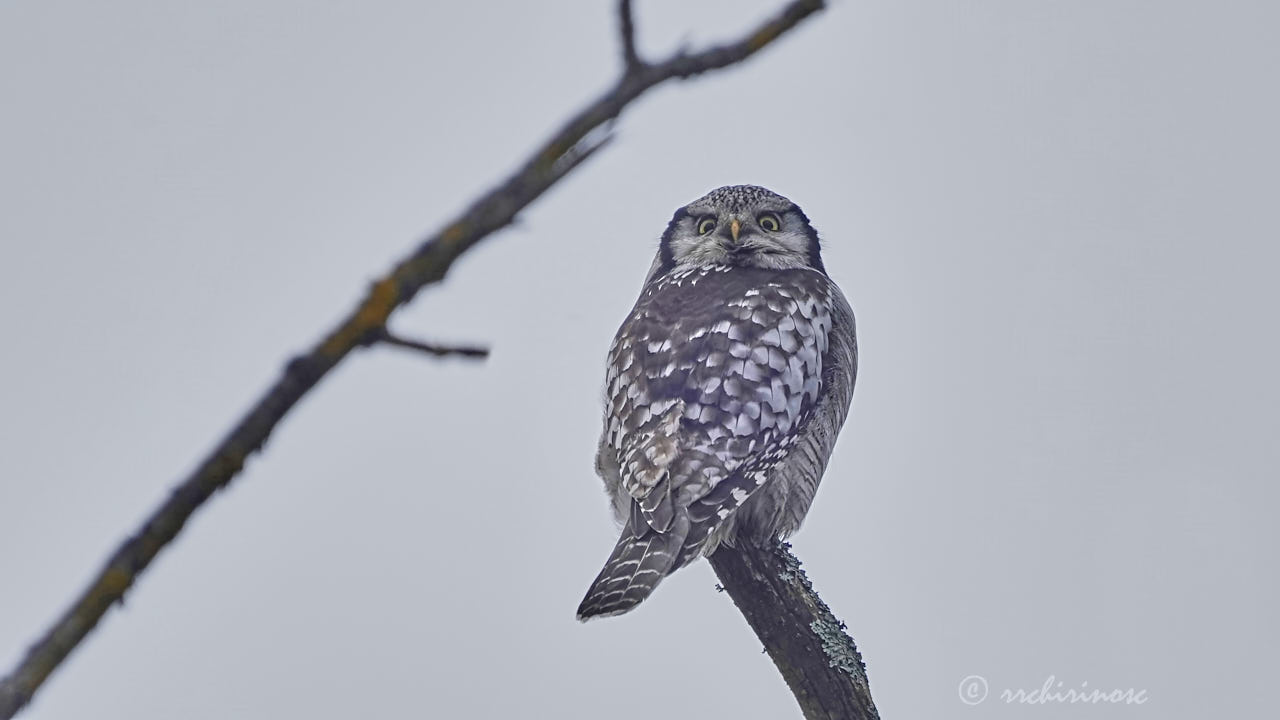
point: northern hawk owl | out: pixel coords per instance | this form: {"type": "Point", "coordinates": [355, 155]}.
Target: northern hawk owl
{"type": "Point", "coordinates": [725, 389]}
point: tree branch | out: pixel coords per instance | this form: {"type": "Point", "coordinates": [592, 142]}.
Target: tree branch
{"type": "Point", "coordinates": [627, 29]}
{"type": "Point", "coordinates": [578, 139]}
{"type": "Point", "coordinates": [807, 642]}
{"type": "Point", "coordinates": [469, 351]}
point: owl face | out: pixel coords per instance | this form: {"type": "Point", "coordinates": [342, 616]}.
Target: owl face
{"type": "Point", "coordinates": [740, 226]}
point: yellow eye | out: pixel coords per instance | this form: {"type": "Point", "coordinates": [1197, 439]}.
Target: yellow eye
{"type": "Point", "coordinates": [770, 222]}
{"type": "Point", "coordinates": [706, 225]}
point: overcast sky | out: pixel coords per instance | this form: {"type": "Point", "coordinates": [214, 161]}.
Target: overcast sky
{"type": "Point", "coordinates": [1056, 222]}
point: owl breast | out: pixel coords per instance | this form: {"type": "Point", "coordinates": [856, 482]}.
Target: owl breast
{"type": "Point", "coordinates": [711, 381]}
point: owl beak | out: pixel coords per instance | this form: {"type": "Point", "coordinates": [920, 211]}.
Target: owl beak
{"type": "Point", "coordinates": [734, 228]}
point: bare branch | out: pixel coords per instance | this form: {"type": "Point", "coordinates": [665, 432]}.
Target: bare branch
{"type": "Point", "coordinates": [627, 27]}
{"type": "Point", "coordinates": [426, 265]}
{"type": "Point", "coordinates": [815, 655]}
{"type": "Point", "coordinates": [387, 338]}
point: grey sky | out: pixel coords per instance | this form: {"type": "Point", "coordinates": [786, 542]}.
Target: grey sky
{"type": "Point", "coordinates": [1056, 222]}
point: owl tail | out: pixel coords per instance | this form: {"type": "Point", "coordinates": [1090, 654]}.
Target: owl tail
{"type": "Point", "coordinates": [634, 569]}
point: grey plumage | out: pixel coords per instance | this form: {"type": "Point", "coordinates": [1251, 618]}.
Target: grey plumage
{"type": "Point", "coordinates": [726, 387]}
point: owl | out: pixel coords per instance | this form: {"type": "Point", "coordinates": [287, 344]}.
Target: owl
{"type": "Point", "coordinates": [725, 389]}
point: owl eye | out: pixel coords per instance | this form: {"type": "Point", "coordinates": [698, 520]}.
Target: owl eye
{"type": "Point", "coordinates": [706, 225]}
{"type": "Point", "coordinates": [770, 222]}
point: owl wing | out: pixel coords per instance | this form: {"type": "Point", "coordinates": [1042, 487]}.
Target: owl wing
{"type": "Point", "coordinates": [794, 483]}
{"type": "Point", "coordinates": [710, 380]}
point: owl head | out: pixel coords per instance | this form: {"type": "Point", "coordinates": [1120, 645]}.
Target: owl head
{"type": "Point", "coordinates": [739, 226]}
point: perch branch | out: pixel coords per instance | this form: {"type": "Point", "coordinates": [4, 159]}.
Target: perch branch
{"type": "Point", "coordinates": [584, 133]}
{"type": "Point", "coordinates": [816, 657]}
